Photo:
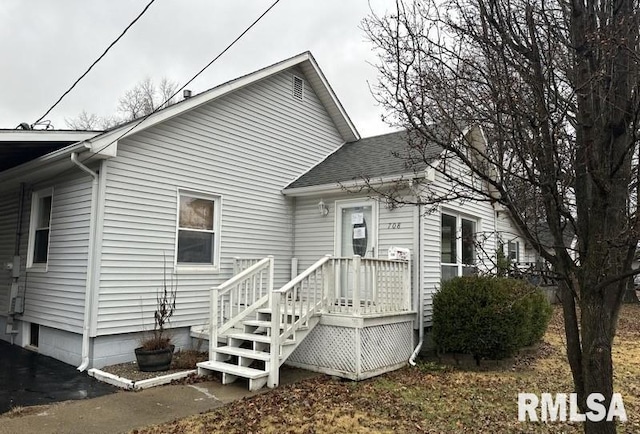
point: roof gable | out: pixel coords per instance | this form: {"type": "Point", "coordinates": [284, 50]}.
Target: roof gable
{"type": "Point", "coordinates": [304, 61]}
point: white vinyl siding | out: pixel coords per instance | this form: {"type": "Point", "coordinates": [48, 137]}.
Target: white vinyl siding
{"type": "Point", "coordinates": [244, 147]}
{"type": "Point", "coordinates": [507, 233]}
{"type": "Point", "coordinates": [55, 298]}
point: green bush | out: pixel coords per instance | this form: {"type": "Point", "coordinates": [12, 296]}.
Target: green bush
{"type": "Point", "coordinates": [488, 317]}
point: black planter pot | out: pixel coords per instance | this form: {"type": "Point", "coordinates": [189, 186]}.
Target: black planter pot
{"type": "Point", "coordinates": [154, 360]}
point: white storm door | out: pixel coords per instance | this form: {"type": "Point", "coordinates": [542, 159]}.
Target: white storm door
{"type": "Point", "coordinates": [356, 234]}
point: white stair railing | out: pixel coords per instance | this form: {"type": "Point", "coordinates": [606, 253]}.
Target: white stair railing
{"type": "Point", "coordinates": [294, 304]}
{"type": "Point", "coordinates": [239, 297]}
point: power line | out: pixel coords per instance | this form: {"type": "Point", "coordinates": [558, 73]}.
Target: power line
{"type": "Point", "coordinates": [145, 117]}
{"type": "Point", "coordinates": [96, 61]}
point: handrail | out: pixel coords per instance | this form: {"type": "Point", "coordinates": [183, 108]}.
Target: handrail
{"type": "Point", "coordinates": [299, 299]}
{"type": "Point", "coordinates": [239, 296]}
{"type": "Point", "coordinates": [306, 273]}
{"type": "Point", "coordinates": [226, 286]}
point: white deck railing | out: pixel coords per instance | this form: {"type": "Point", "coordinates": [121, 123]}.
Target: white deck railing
{"type": "Point", "coordinates": [238, 297]}
{"type": "Point", "coordinates": [371, 286]}
{"type": "Point", "coordinates": [352, 286]}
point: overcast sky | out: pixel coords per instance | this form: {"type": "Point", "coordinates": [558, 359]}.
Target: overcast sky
{"type": "Point", "coordinates": [47, 44]}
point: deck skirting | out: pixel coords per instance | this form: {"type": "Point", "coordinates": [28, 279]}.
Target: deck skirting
{"type": "Point", "coordinates": [356, 347]}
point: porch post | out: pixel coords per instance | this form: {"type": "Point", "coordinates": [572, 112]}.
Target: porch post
{"type": "Point", "coordinates": [270, 278]}
{"type": "Point", "coordinates": [356, 283]}
{"type": "Point", "coordinates": [407, 286]}
{"type": "Point", "coordinates": [213, 323]}
{"type": "Point", "coordinates": [274, 350]}
{"type": "Point", "coordinates": [328, 283]}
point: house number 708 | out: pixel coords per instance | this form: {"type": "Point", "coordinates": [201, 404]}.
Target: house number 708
{"type": "Point", "coordinates": [394, 226]}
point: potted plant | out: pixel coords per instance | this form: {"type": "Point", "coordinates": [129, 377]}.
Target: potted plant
{"type": "Point", "coordinates": [156, 352]}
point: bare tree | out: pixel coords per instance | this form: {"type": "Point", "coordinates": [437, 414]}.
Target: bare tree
{"type": "Point", "coordinates": [555, 85]}
{"type": "Point", "coordinates": [142, 99]}
{"type": "Point", "coordinates": [91, 121]}
{"type": "Point", "coordinates": [145, 98]}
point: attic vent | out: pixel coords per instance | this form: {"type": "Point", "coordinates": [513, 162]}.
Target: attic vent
{"type": "Point", "coordinates": [298, 88]}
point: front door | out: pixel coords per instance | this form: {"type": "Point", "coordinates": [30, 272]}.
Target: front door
{"type": "Point", "coordinates": [356, 234]}
{"type": "Point", "coordinates": [356, 229]}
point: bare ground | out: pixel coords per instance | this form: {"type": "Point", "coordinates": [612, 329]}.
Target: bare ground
{"type": "Point", "coordinates": [182, 361]}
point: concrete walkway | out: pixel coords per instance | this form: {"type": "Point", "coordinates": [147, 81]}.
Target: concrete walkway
{"type": "Point", "coordinates": [124, 411]}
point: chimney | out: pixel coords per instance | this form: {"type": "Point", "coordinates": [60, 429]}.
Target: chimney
{"type": "Point", "coordinates": [186, 94]}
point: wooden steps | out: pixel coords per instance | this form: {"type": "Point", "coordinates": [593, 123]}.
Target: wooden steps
{"type": "Point", "coordinates": [230, 373]}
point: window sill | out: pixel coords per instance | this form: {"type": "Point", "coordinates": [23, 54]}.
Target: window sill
{"type": "Point", "coordinates": [196, 269]}
{"type": "Point", "coordinates": [37, 268]}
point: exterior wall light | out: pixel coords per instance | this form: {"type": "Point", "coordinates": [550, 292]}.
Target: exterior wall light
{"type": "Point", "coordinates": [322, 208]}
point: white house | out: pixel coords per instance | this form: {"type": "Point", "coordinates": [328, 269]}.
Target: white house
{"type": "Point", "coordinates": [244, 189]}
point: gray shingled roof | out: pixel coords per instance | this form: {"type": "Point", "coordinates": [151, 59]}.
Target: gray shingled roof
{"type": "Point", "coordinates": [370, 158]}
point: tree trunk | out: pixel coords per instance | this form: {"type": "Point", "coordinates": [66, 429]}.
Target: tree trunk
{"type": "Point", "coordinates": [630, 295]}
{"type": "Point", "coordinates": [598, 322]}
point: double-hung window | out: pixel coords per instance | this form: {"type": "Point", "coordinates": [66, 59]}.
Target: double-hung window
{"type": "Point", "coordinates": [458, 246]}
{"type": "Point", "coordinates": [39, 229]}
{"type": "Point", "coordinates": [514, 251]}
{"type": "Point", "coordinates": [198, 230]}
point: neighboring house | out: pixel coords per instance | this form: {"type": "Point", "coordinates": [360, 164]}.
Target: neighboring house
{"type": "Point", "coordinates": [243, 188]}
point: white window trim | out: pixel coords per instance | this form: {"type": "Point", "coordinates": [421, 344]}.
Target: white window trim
{"type": "Point", "coordinates": [33, 225]}
{"type": "Point", "coordinates": [350, 203]}
{"type": "Point", "coordinates": [516, 243]}
{"type": "Point", "coordinates": [217, 226]}
{"type": "Point", "coordinates": [458, 234]}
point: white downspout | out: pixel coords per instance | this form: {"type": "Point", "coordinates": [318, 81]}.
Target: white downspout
{"type": "Point", "coordinates": [88, 294]}
{"type": "Point", "coordinates": [419, 266]}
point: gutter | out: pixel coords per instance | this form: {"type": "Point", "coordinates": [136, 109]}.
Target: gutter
{"type": "Point", "coordinates": [88, 294]}
{"type": "Point", "coordinates": [416, 351]}
{"type": "Point", "coordinates": [340, 187]}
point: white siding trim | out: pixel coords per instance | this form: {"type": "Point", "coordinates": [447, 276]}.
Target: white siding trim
{"type": "Point", "coordinates": [97, 247]}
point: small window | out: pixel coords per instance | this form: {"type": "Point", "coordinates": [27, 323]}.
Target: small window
{"type": "Point", "coordinates": [198, 229]}
{"type": "Point", "coordinates": [514, 251]}
{"type": "Point", "coordinates": [40, 228]}
{"type": "Point", "coordinates": [298, 88]}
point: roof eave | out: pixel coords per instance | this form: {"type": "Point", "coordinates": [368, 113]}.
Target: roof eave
{"type": "Point", "coordinates": [23, 170]}
{"type": "Point", "coordinates": [350, 185]}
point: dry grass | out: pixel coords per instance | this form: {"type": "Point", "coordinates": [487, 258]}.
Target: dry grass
{"type": "Point", "coordinates": [430, 398]}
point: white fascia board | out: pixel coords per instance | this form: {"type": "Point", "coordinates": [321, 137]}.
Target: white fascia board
{"type": "Point", "coordinates": [108, 149]}
{"type": "Point", "coordinates": [352, 135]}
{"type": "Point", "coordinates": [136, 126]}
{"type": "Point", "coordinates": [338, 187]}
{"type": "Point", "coordinates": [46, 135]}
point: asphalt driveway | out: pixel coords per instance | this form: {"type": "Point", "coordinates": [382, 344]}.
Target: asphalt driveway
{"type": "Point", "coordinates": [28, 378]}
